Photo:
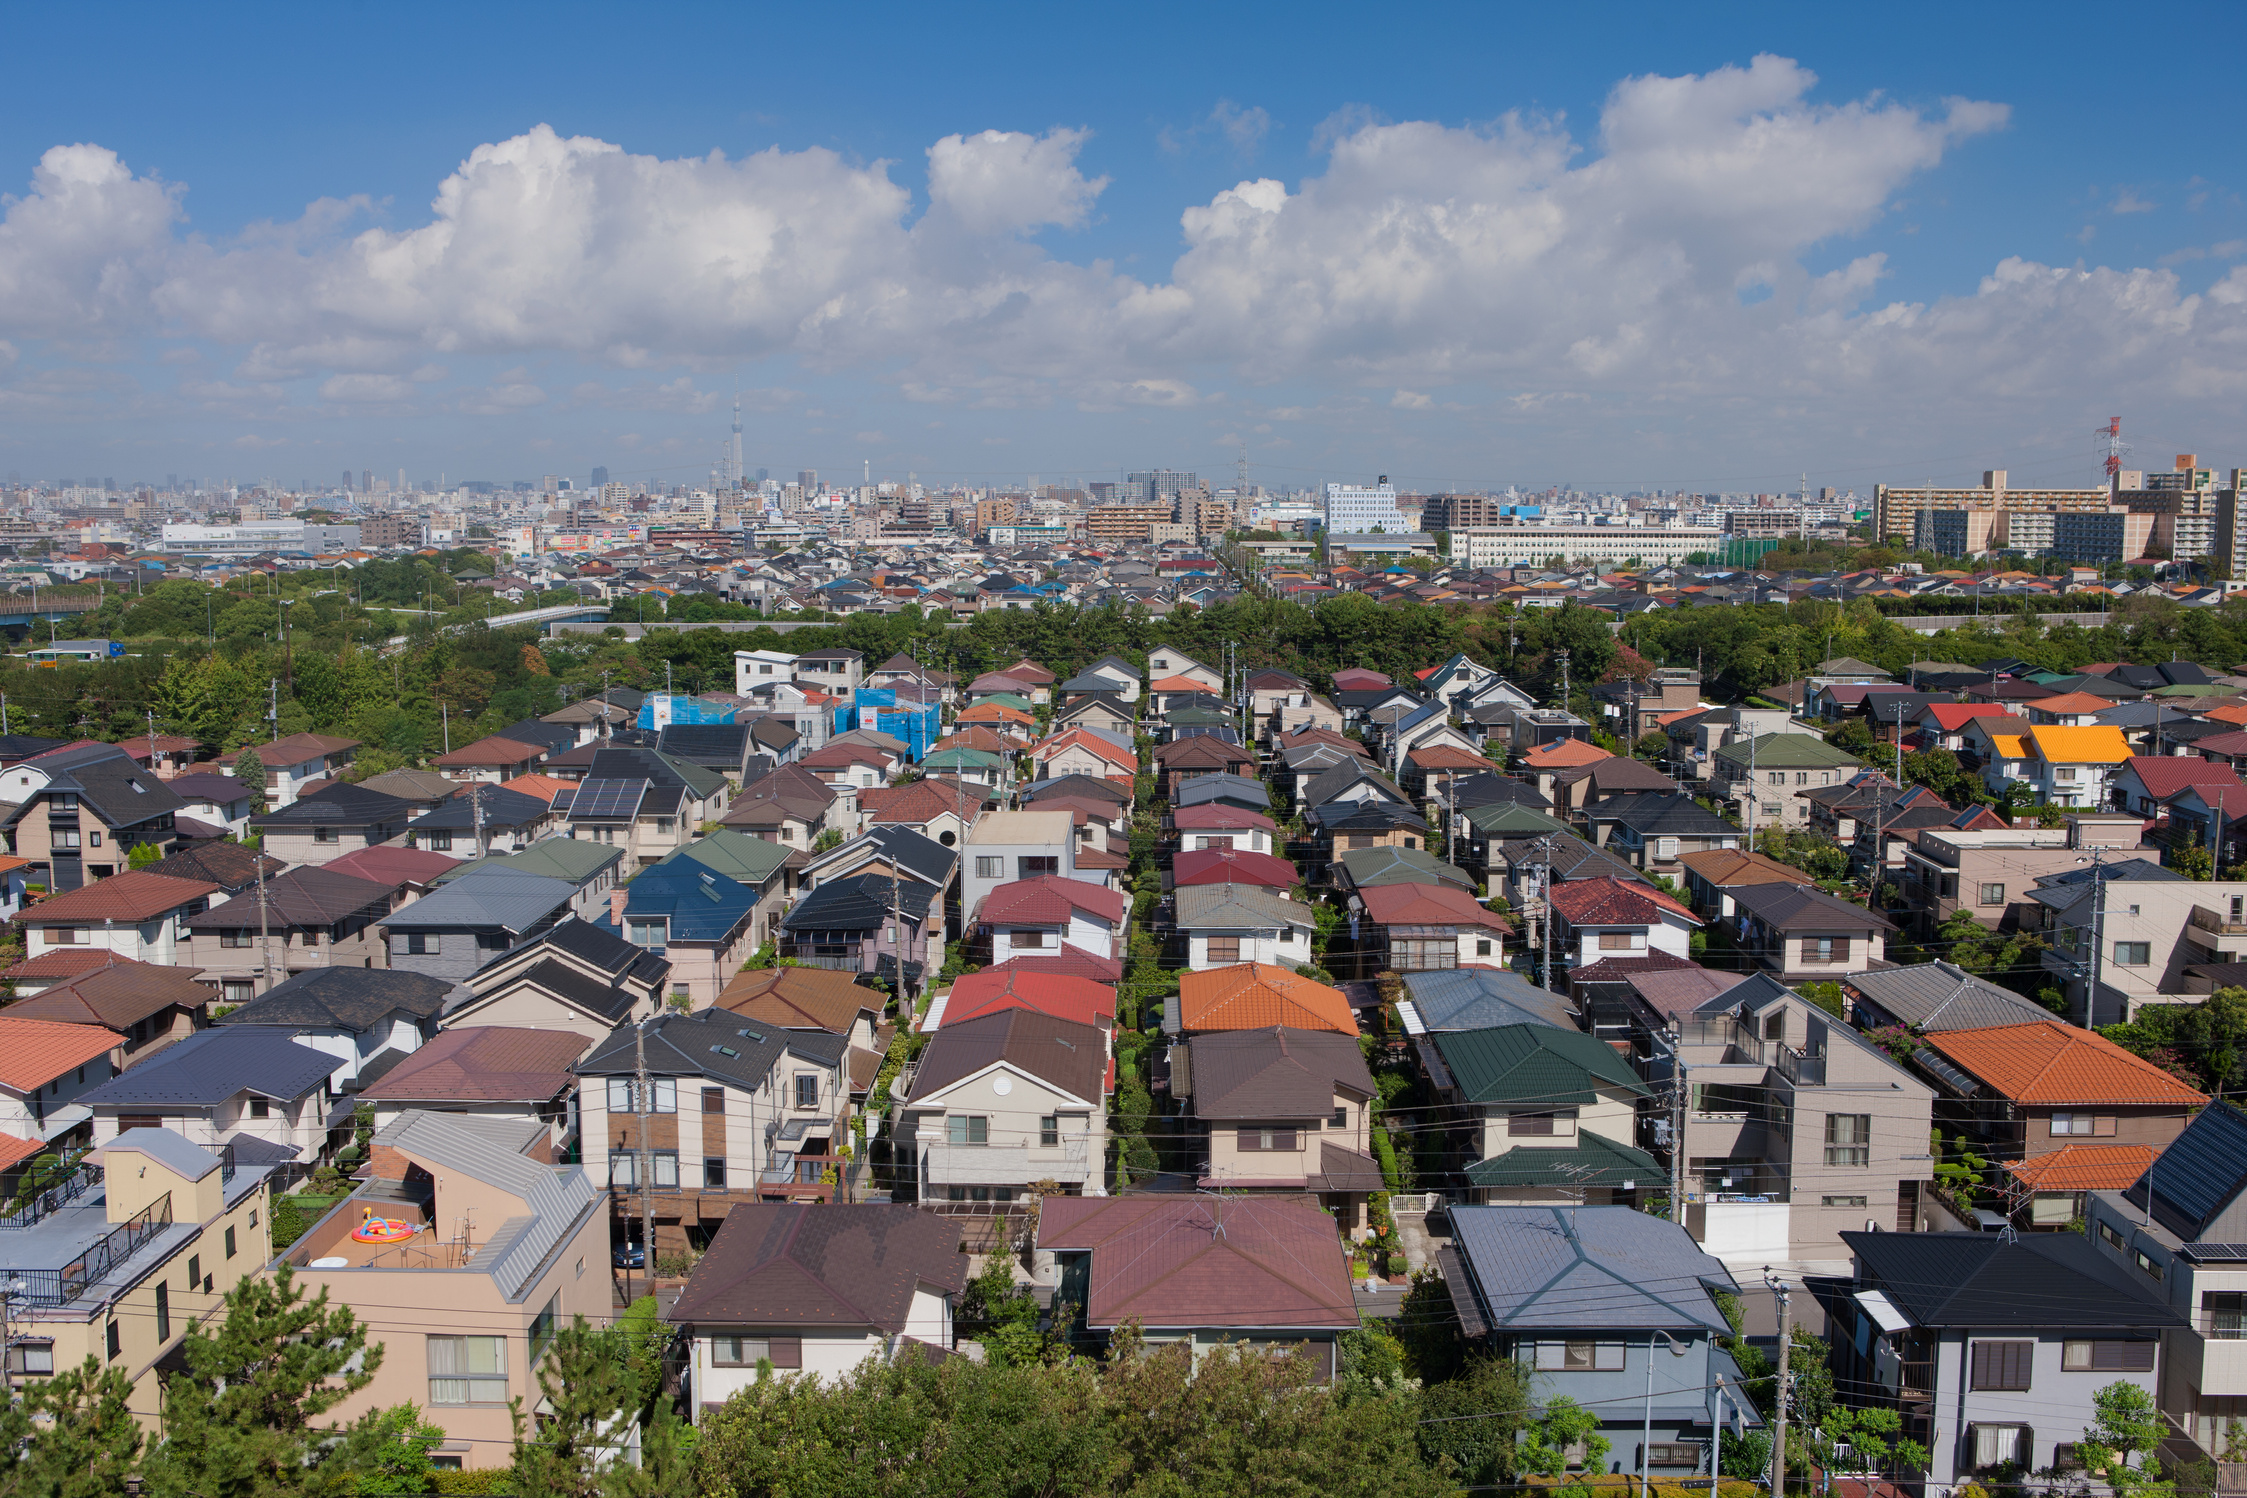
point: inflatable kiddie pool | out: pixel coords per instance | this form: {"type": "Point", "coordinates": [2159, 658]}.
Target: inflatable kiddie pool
{"type": "Point", "coordinates": [383, 1230]}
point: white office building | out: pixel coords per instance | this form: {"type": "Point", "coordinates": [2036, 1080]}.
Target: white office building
{"type": "Point", "coordinates": [1361, 510]}
{"type": "Point", "coordinates": [1513, 545]}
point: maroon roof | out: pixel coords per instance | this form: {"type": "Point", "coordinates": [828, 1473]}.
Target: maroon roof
{"type": "Point", "coordinates": [1609, 901]}
{"type": "Point", "coordinates": [1233, 866]}
{"type": "Point", "coordinates": [1075, 961]}
{"type": "Point", "coordinates": [393, 866]}
{"type": "Point", "coordinates": [1051, 898]}
{"type": "Point", "coordinates": [2165, 775]}
{"type": "Point", "coordinates": [1169, 1262]}
{"type": "Point", "coordinates": [484, 1063]}
{"type": "Point", "coordinates": [788, 1264]}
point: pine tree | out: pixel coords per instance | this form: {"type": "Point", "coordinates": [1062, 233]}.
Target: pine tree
{"type": "Point", "coordinates": [244, 1418]}
{"type": "Point", "coordinates": [71, 1436]}
{"type": "Point", "coordinates": [587, 1387]}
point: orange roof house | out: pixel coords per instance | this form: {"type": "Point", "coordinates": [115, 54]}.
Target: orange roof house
{"type": "Point", "coordinates": [2083, 1167]}
{"type": "Point", "coordinates": [1256, 996]}
{"type": "Point", "coordinates": [2062, 1084]}
{"type": "Point", "coordinates": [1563, 754]}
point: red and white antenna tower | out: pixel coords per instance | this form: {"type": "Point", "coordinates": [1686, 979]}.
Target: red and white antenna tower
{"type": "Point", "coordinates": [2116, 447]}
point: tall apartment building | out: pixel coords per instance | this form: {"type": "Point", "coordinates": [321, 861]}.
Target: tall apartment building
{"type": "Point", "coordinates": [1895, 508]}
{"type": "Point", "coordinates": [1358, 510]}
{"type": "Point", "coordinates": [2194, 517]}
{"type": "Point", "coordinates": [1154, 486]}
{"type": "Point", "coordinates": [1115, 525]}
{"type": "Point", "coordinates": [390, 530]}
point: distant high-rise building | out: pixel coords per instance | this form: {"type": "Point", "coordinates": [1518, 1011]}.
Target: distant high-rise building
{"type": "Point", "coordinates": [807, 479]}
{"type": "Point", "coordinates": [366, 481]}
{"type": "Point", "coordinates": [1154, 486]}
{"type": "Point", "coordinates": [108, 486]}
{"type": "Point", "coordinates": [600, 477]}
{"type": "Point", "coordinates": [347, 481]}
{"type": "Point", "coordinates": [763, 474]}
{"type": "Point", "coordinates": [1352, 509]}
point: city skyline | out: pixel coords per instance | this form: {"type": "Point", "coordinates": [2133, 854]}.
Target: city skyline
{"type": "Point", "coordinates": [1714, 255]}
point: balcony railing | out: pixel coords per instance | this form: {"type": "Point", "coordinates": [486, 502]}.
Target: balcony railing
{"type": "Point", "coordinates": [57, 1287]}
{"type": "Point", "coordinates": [62, 1193]}
{"type": "Point", "coordinates": [1802, 1070]}
{"type": "Point", "coordinates": [1724, 1030]}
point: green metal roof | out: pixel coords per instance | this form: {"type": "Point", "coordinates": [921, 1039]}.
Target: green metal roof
{"type": "Point", "coordinates": [737, 855]}
{"type": "Point", "coordinates": [963, 759]}
{"type": "Point", "coordinates": [1533, 1063]}
{"type": "Point", "coordinates": [1593, 1160]}
{"type": "Point", "coordinates": [1005, 699]}
{"type": "Point", "coordinates": [1510, 819]}
{"type": "Point", "coordinates": [1789, 751]}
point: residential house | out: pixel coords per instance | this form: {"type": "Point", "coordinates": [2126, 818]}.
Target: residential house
{"type": "Point", "coordinates": [1267, 1272]}
{"type": "Point", "coordinates": [1228, 866]}
{"type": "Point", "coordinates": [507, 1251]}
{"type": "Point", "coordinates": [172, 1230]}
{"type": "Point", "coordinates": [1225, 790]}
{"type": "Point", "coordinates": [2018, 1092]}
{"type": "Point", "coordinates": [723, 748]}
{"type": "Point", "coordinates": [47, 1070]}
{"type": "Point", "coordinates": [305, 920]}
{"type": "Point", "coordinates": [1991, 1347]}
{"type": "Point", "coordinates": [2145, 783]}
{"type": "Point", "coordinates": [147, 1007]}
{"type": "Point", "coordinates": [869, 922]}
{"type": "Point", "coordinates": [1606, 917]}
{"type": "Point", "coordinates": [1108, 712]}
{"type": "Point", "coordinates": [696, 919]}
{"type": "Point", "coordinates": [230, 866]}
{"type": "Point", "coordinates": [490, 761]}
{"type": "Point", "coordinates": [646, 802]}
{"type": "Point", "coordinates": [1006, 846]}
{"type": "Point", "coordinates": [1710, 876]}
{"type": "Point", "coordinates": [939, 809]}
{"type": "Point", "coordinates": [751, 862]}
{"type": "Point", "coordinates": [491, 1072]}
{"type": "Point", "coordinates": [1601, 1305]}
{"type": "Point", "coordinates": [219, 801]}
{"type": "Point", "coordinates": [1548, 1115]}
{"type": "Point", "coordinates": [137, 914]}
{"type": "Point", "coordinates": [752, 668]}
{"type": "Point", "coordinates": [795, 1289]}
{"type": "Point", "coordinates": [93, 807]}
{"type": "Point", "coordinates": [1255, 996]}
{"type": "Point", "coordinates": [331, 822]}
{"type": "Point", "coordinates": [1477, 998]}
{"type": "Point", "coordinates": [1540, 765]}
{"type": "Point", "coordinates": [1021, 984]}
{"type": "Point", "coordinates": [291, 762]}
{"type": "Point", "coordinates": [590, 868]}
{"type": "Point", "coordinates": [852, 766]}
{"type": "Point", "coordinates": [734, 1113]}
{"type": "Point", "coordinates": [839, 671]}
{"type": "Point", "coordinates": [995, 1104]}
{"type": "Point", "coordinates": [1804, 934]}
{"type": "Point", "coordinates": [1934, 996]}
{"type": "Point", "coordinates": [1037, 917]}
{"type": "Point", "coordinates": [1409, 928]}
{"type": "Point", "coordinates": [790, 806]}
{"type": "Point", "coordinates": [1653, 832]}
{"type": "Point", "coordinates": [1221, 925]}
{"type": "Point", "coordinates": [810, 998]}
{"type": "Point", "coordinates": [1759, 778]}
{"type": "Point", "coordinates": [575, 976]}
{"type": "Point", "coordinates": [1220, 826]}
{"type": "Point", "coordinates": [423, 790]}
{"type": "Point", "coordinates": [2154, 926]}
{"type": "Point", "coordinates": [1796, 1127]}
{"type": "Point", "coordinates": [225, 1085]}
{"type": "Point", "coordinates": [1087, 751]}
{"type": "Point", "coordinates": [1987, 874]}
{"type": "Point", "coordinates": [1605, 779]}
{"type": "Point", "coordinates": [457, 929]}
{"type": "Point", "coordinates": [1280, 1110]}
{"type": "Point", "coordinates": [1167, 661]}
{"type": "Point", "coordinates": [483, 820]}
{"type": "Point", "coordinates": [2057, 766]}
{"type": "Point", "coordinates": [367, 1018]}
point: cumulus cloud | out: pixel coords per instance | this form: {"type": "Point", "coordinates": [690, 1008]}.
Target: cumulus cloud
{"type": "Point", "coordinates": [1696, 245]}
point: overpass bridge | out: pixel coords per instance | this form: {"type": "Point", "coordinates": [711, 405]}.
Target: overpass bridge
{"type": "Point", "coordinates": [20, 616]}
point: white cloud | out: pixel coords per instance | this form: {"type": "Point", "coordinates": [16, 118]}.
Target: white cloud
{"type": "Point", "coordinates": [366, 388]}
{"type": "Point", "coordinates": [2127, 201]}
{"type": "Point", "coordinates": [511, 392]}
{"type": "Point", "coordinates": [252, 442]}
{"type": "Point", "coordinates": [1411, 400]}
{"type": "Point", "coordinates": [1005, 182]}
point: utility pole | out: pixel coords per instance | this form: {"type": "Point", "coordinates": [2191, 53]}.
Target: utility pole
{"type": "Point", "coordinates": [264, 917]}
{"type": "Point", "coordinates": [1785, 1296]}
{"type": "Point", "coordinates": [2098, 914]}
{"type": "Point", "coordinates": [1678, 1101]}
{"type": "Point", "coordinates": [1545, 916]}
{"type": "Point", "coordinates": [645, 1102]}
{"type": "Point", "coordinates": [1563, 655]}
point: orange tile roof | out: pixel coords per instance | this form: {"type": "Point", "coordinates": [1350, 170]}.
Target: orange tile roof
{"type": "Point", "coordinates": [33, 1052]}
{"type": "Point", "coordinates": [2049, 1064]}
{"type": "Point", "coordinates": [2229, 713]}
{"type": "Point", "coordinates": [1563, 753]}
{"type": "Point", "coordinates": [2102, 744]}
{"type": "Point", "coordinates": [1257, 995]}
{"type": "Point", "coordinates": [2070, 702]}
{"type": "Point", "coordinates": [985, 712]}
{"type": "Point", "coordinates": [542, 786]}
{"type": "Point", "coordinates": [14, 1151]}
{"type": "Point", "coordinates": [2085, 1167]}
{"type": "Point", "coordinates": [1179, 684]}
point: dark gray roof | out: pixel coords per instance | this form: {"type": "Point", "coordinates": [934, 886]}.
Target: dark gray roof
{"type": "Point", "coordinates": [492, 898]}
{"type": "Point", "coordinates": [1656, 813]}
{"type": "Point", "coordinates": [1236, 790]}
{"type": "Point", "coordinates": [338, 806]}
{"type": "Point", "coordinates": [599, 947]}
{"type": "Point", "coordinates": [710, 744]}
{"type": "Point", "coordinates": [712, 1043]}
{"type": "Point", "coordinates": [1475, 998]}
{"type": "Point", "coordinates": [924, 856]}
{"type": "Point", "coordinates": [1491, 789]}
{"type": "Point", "coordinates": [1071, 1056]}
{"type": "Point", "coordinates": [1366, 868]}
{"type": "Point", "coordinates": [213, 1065]}
{"type": "Point", "coordinates": [500, 808]}
{"type": "Point", "coordinates": [1572, 857]}
{"type": "Point", "coordinates": [2200, 1174]}
{"type": "Point", "coordinates": [1273, 1073]}
{"type": "Point", "coordinates": [858, 903]}
{"type": "Point", "coordinates": [1083, 785]}
{"type": "Point", "coordinates": [2035, 1281]}
{"type": "Point", "coordinates": [788, 1264]}
{"type": "Point", "coordinates": [1588, 1268]}
{"type": "Point", "coordinates": [346, 998]}
{"type": "Point", "coordinates": [1329, 783]}
{"type": "Point", "coordinates": [1940, 996]}
{"type": "Point", "coordinates": [1797, 907]}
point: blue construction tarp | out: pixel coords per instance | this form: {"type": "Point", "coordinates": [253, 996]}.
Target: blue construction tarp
{"type": "Point", "coordinates": [661, 711]}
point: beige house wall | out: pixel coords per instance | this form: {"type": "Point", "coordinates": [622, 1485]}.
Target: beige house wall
{"type": "Point", "coordinates": [1228, 1161]}
{"type": "Point", "coordinates": [524, 1009]}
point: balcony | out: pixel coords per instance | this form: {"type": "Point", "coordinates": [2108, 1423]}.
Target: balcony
{"type": "Point", "coordinates": [2204, 919]}
{"type": "Point", "coordinates": [945, 1164]}
{"type": "Point", "coordinates": [1709, 1031]}
{"type": "Point", "coordinates": [88, 1246]}
{"type": "Point", "coordinates": [1802, 1070]}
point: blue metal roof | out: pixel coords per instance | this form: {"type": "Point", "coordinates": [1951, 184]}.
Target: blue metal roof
{"type": "Point", "coordinates": [702, 904]}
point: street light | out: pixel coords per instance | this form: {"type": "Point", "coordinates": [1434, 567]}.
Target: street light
{"type": "Point", "coordinates": [1646, 1443]}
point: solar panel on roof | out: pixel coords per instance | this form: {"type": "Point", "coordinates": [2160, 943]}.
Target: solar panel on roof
{"type": "Point", "coordinates": [608, 798]}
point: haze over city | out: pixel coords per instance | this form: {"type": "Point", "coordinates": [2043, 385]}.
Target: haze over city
{"type": "Point", "coordinates": [1466, 247]}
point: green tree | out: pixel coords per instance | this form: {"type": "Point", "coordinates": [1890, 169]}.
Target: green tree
{"type": "Point", "coordinates": [1003, 1316]}
{"type": "Point", "coordinates": [588, 1391]}
{"type": "Point", "coordinates": [71, 1436]}
{"type": "Point", "coordinates": [398, 1461]}
{"type": "Point", "coordinates": [2191, 859]}
{"type": "Point", "coordinates": [250, 771]}
{"type": "Point", "coordinates": [243, 1416]}
{"type": "Point", "coordinates": [143, 855]}
{"type": "Point", "coordinates": [2129, 1425]}
{"type": "Point", "coordinates": [1474, 1422]}
{"type": "Point", "coordinates": [1564, 1424]}
{"type": "Point", "coordinates": [1652, 746]}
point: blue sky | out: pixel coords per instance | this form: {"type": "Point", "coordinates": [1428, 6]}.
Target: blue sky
{"type": "Point", "coordinates": [1602, 245]}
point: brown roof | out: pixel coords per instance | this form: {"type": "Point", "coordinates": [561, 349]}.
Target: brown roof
{"type": "Point", "coordinates": [1275, 1073]}
{"type": "Point", "coordinates": [484, 1063]}
{"type": "Point", "coordinates": [1723, 866]}
{"type": "Point", "coordinates": [296, 749]}
{"type": "Point", "coordinates": [301, 897]}
{"type": "Point", "coordinates": [135, 895]}
{"type": "Point", "coordinates": [227, 865]}
{"type": "Point", "coordinates": [1173, 1262]}
{"type": "Point", "coordinates": [65, 962]}
{"type": "Point", "coordinates": [787, 1264]}
{"type": "Point", "coordinates": [491, 751]}
{"type": "Point", "coordinates": [117, 996]}
{"type": "Point", "coordinates": [920, 801]}
{"type": "Point", "coordinates": [800, 998]}
{"type": "Point", "coordinates": [1067, 1055]}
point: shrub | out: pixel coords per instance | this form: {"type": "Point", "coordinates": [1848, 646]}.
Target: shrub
{"type": "Point", "coordinates": [1397, 1264]}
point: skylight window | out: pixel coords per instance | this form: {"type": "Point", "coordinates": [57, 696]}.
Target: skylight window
{"type": "Point", "coordinates": [727, 1050]}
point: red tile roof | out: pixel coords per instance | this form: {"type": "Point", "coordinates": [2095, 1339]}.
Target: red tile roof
{"type": "Point", "coordinates": [1075, 738]}
{"type": "Point", "coordinates": [65, 962]}
{"type": "Point", "coordinates": [1059, 995]}
{"type": "Point", "coordinates": [1072, 960]}
{"type": "Point", "coordinates": [33, 1052]}
{"type": "Point", "coordinates": [1952, 716]}
{"type": "Point", "coordinates": [1233, 866]}
{"type": "Point", "coordinates": [1257, 995]}
{"type": "Point", "coordinates": [1564, 752]}
{"type": "Point", "coordinates": [1608, 901]}
{"type": "Point", "coordinates": [135, 895]}
{"type": "Point", "coordinates": [2084, 1167]}
{"type": "Point", "coordinates": [1049, 898]}
{"type": "Point", "coordinates": [2050, 1064]}
{"type": "Point", "coordinates": [1213, 815]}
{"type": "Point", "coordinates": [392, 865]}
{"type": "Point", "coordinates": [1427, 905]}
{"type": "Point", "coordinates": [2164, 775]}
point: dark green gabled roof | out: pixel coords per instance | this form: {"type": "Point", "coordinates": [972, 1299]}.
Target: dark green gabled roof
{"type": "Point", "coordinates": [1789, 751]}
{"type": "Point", "coordinates": [1592, 1160]}
{"type": "Point", "coordinates": [1533, 1063]}
{"type": "Point", "coordinates": [1506, 819]}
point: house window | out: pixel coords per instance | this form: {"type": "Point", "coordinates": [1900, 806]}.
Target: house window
{"type": "Point", "coordinates": [34, 1358]}
{"type": "Point", "coordinates": [230, 1242]}
{"type": "Point", "coordinates": [1826, 948]}
{"type": "Point", "coordinates": [238, 992]}
{"type": "Point", "coordinates": [1802, 777]}
{"type": "Point", "coordinates": [2223, 1314]}
{"type": "Point", "coordinates": [234, 939]}
{"type": "Point", "coordinates": [739, 1352]}
{"type": "Point", "coordinates": [1617, 941]}
{"type": "Point", "coordinates": [1340, 1119]}
{"type": "Point", "coordinates": [467, 1370]}
{"type": "Point", "coordinates": [1258, 1140]}
{"type": "Point", "coordinates": [1997, 1445]}
{"type": "Point", "coordinates": [2132, 953]}
{"type": "Point", "coordinates": [2002, 1365]}
{"type": "Point", "coordinates": [962, 1129]}
{"type": "Point", "coordinates": [1841, 1201]}
{"type": "Point", "coordinates": [439, 842]}
{"type": "Point", "coordinates": [1849, 1139]}
{"type": "Point", "coordinates": [66, 840]}
{"type": "Point", "coordinates": [665, 1090]}
{"type": "Point", "coordinates": [261, 1108]}
{"type": "Point", "coordinates": [1545, 1123]}
{"type": "Point", "coordinates": [1049, 1131]}
{"type": "Point", "coordinates": [807, 1091]}
{"type": "Point", "coordinates": [2082, 1123]}
{"type": "Point", "coordinates": [327, 835]}
{"type": "Point", "coordinates": [542, 1326]}
{"type": "Point", "coordinates": [1482, 946]}
{"type": "Point", "coordinates": [624, 1169]}
{"type": "Point", "coordinates": [649, 934]}
{"type": "Point", "coordinates": [1580, 1357]}
{"type": "Point", "coordinates": [2112, 1237]}
{"type": "Point", "coordinates": [1035, 868]}
{"type": "Point", "coordinates": [2108, 1357]}
{"type": "Point", "coordinates": [424, 944]}
{"type": "Point", "coordinates": [1027, 939]}
{"type": "Point", "coordinates": [116, 1340]}
{"type": "Point", "coordinates": [713, 1173]}
{"type": "Point", "coordinates": [713, 1100]}
{"type": "Point", "coordinates": [1778, 777]}
{"type": "Point", "coordinates": [2148, 1263]}
{"type": "Point", "coordinates": [1674, 1454]}
{"type": "Point", "coordinates": [1224, 949]}
{"type": "Point", "coordinates": [990, 868]}
{"type": "Point", "coordinates": [66, 936]}
{"type": "Point", "coordinates": [163, 1312]}
{"type": "Point", "coordinates": [1993, 894]}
